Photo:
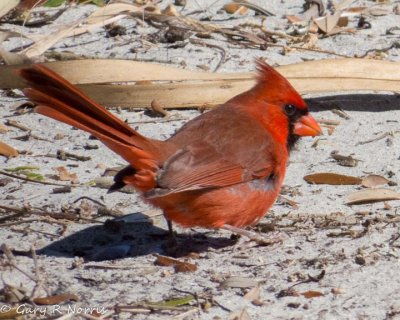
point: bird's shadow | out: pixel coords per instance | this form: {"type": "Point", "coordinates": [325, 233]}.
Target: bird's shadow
{"type": "Point", "coordinates": [356, 102]}
{"type": "Point", "coordinates": [131, 236]}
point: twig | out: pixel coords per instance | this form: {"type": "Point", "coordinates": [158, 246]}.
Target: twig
{"type": "Point", "coordinates": [170, 119]}
{"type": "Point", "coordinates": [88, 198]}
{"type": "Point", "coordinates": [330, 122]}
{"type": "Point", "coordinates": [223, 52]}
{"type": "Point", "coordinates": [28, 136]}
{"type": "Point", "coordinates": [12, 262]}
{"type": "Point", "coordinates": [11, 216]}
{"type": "Point", "coordinates": [393, 45]}
{"type": "Point", "coordinates": [9, 224]}
{"type": "Point", "coordinates": [384, 135]}
{"type": "Point", "coordinates": [37, 181]}
{"type": "Point", "coordinates": [255, 8]}
{"type": "Point", "coordinates": [38, 23]}
{"type": "Point", "coordinates": [341, 113]}
{"type": "Point", "coordinates": [39, 278]}
{"type": "Point", "coordinates": [221, 306]}
{"type": "Point", "coordinates": [62, 155]}
{"type": "Point", "coordinates": [16, 124]}
{"type": "Point", "coordinates": [309, 49]}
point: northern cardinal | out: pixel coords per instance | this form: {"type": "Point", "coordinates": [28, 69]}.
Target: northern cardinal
{"type": "Point", "coordinates": [224, 168]}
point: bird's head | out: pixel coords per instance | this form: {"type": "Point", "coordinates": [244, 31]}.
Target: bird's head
{"type": "Point", "coordinates": [284, 103]}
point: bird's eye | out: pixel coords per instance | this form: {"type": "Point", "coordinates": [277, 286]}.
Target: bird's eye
{"type": "Point", "coordinates": [290, 109]}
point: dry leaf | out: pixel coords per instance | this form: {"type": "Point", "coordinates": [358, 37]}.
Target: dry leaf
{"type": "Point", "coordinates": [64, 175]}
{"type": "Point", "coordinates": [239, 282]}
{"type": "Point", "coordinates": [373, 180]}
{"type": "Point", "coordinates": [170, 10]}
{"type": "Point", "coordinates": [239, 315]}
{"type": "Point", "coordinates": [158, 108]}
{"type": "Point", "coordinates": [332, 179]}
{"type": "Point", "coordinates": [320, 76]}
{"type": "Point", "coordinates": [253, 294]}
{"type": "Point", "coordinates": [328, 22]}
{"type": "Point", "coordinates": [180, 266]}
{"type": "Point", "coordinates": [232, 8]}
{"type": "Point", "coordinates": [312, 294]}
{"type": "Point", "coordinates": [343, 22]}
{"type": "Point", "coordinates": [377, 11]}
{"type": "Point", "coordinates": [6, 6]}
{"type": "Point", "coordinates": [346, 161]}
{"type": "Point", "coordinates": [7, 151]}
{"type": "Point", "coordinates": [56, 299]}
{"type": "Point", "coordinates": [372, 195]}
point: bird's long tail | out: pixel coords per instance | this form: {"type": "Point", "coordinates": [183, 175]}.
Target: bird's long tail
{"type": "Point", "coordinates": [59, 99]}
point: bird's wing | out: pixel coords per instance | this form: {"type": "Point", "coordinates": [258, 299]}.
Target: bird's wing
{"type": "Point", "coordinates": [236, 150]}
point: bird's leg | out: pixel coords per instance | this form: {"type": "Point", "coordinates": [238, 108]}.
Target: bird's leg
{"type": "Point", "coordinates": [254, 236]}
{"type": "Point", "coordinates": [172, 242]}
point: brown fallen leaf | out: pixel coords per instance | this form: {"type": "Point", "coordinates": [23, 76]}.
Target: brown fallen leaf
{"type": "Point", "coordinates": [65, 175]}
{"type": "Point", "coordinates": [180, 266]}
{"type": "Point", "coordinates": [253, 294]}
{"type": "Point", "coordinates": [7, 151]}
{"type": "Point", "coordinates": [373, 180]}
{"type": "Point", "coordinates": [158, 108]}
{"type": "Point", "coordinates": [328, 22]}
{"type": "Point", "coordinates": [239, 282]}
{"type": "Point", "coordinates": [372, 195]}
{"type": "Point", "coordinates": [346, 161]}
{"type": "Point", "coordinates": [332, 179]}
{"type": "Point", "coordinates": [308, 77]}
{"type": "Point", "coordinates": [171, 11]}
{"type": "Point", "coordinates": [377, 11]}
{"type": "Point", "coordinates": [312, 294]}
{"type": "Point", "coordinates": [232, 8]}
{"type": "Point", "coordinates": [56, 299]}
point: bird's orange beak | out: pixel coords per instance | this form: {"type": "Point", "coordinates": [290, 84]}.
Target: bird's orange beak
{"type": "Point", "coordinates": [307, 126]}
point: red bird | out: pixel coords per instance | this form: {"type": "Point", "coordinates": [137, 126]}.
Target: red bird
{"type": "Point", "coordinates": [223, 169]}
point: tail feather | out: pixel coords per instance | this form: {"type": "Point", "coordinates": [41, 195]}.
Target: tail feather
{"type": "Point", "coordinates": [59, 99]}
{"type": "Point", "coordinates": [50, 83]}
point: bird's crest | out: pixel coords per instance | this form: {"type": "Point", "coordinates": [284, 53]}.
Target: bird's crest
{"type": "Point", "coordinates": [274, 86]}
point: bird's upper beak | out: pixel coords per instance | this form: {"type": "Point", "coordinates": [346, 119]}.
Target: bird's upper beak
{"type": "Point", "coordinates": [307, 126]}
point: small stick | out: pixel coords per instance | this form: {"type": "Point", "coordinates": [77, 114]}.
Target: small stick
{"type": "Point", "coordinates": [16, 124]}
{"type": "Point", "coordinates": [11, 259]}
{"type": "Point", "coordinates": [36, 181]}
{"type": "Point", "coordinates": [330, 122]}
{"type": "Point", "coordinates": [223, 52]}
{"type": "Point", "coordinates": [384, 135]}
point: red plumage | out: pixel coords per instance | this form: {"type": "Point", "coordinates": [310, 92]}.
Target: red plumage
{"type": "Point", "coordinates": [224, 167]}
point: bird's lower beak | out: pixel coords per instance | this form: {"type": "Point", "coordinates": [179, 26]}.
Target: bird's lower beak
{"type": "Point", "coordinates": [307, 126]}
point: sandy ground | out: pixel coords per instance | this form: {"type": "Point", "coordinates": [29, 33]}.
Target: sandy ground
{"type": "Point", "coordinates": [348, 255]}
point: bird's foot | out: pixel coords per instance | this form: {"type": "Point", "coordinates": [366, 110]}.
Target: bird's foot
{"type": "Point", "coordinates": [171, 246]}
{"type": "Point", "coordinates": [254, 236]}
